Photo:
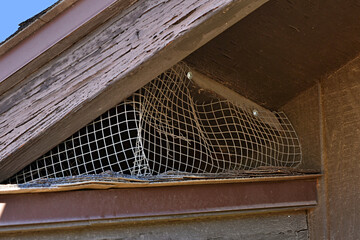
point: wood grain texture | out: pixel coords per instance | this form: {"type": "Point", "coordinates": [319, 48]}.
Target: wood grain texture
{"type": "Point", "coordinates": [282, 49]}
{"type": "Point", "coordinates": [51, 39]}
{"type": "Point", "coordinates": [276, 226]}
{"type": "Point", "coordinates": [341, 113]}
{"type": "Point", "coordinates": [103, 69]}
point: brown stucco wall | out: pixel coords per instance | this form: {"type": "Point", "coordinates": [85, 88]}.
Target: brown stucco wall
{"type": "Point", "coordinates": [327, 119]}
{"type": "Point", "coordinates": [286, 225]}
{"type": "Point", "coordinates": [341, 116]}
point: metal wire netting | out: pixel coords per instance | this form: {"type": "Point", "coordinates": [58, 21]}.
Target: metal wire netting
{"type": "Point", "coordinates": [162, 127]}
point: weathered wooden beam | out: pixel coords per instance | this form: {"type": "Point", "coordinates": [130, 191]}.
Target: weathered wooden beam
{"type": "Point", "coordinates": [103, 69]}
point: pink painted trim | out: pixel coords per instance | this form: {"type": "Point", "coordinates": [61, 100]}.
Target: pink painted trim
{"type": "Point", "coordinates": [48, 35]}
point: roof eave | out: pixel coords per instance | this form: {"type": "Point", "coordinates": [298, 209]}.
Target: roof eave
{"type": "Point", "coordinates": [51, 34]}
{"type": "Point", "coordinates": [35, 25]}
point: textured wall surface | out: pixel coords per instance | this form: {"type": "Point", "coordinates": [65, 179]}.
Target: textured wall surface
{"type": "Point", "coordinates": [341, 113]}
{"type": "Point", "coordinates": [279, 226]}
{"type": "Point", "coordinates": [304, 112]}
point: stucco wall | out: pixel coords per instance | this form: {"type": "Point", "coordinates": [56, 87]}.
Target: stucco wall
{"type": "Point", "coordinates": [286, 225]}
{"type": "Point", "coordinates": [341, 114]}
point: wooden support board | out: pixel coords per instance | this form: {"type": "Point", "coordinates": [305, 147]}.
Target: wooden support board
{"type": "Point", "coordinates": [209, 84]}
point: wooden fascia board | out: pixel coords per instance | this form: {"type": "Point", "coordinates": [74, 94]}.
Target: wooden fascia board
{"type": "Point", "coordinates": [50, 35]}
{"type": "Point", "coordinates": [33, 27]}
{"type": "Point", "coordinates": [103, 69]}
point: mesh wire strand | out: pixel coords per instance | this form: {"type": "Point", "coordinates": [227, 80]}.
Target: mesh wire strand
{"type": "Point", "coordinates": [162, 128]}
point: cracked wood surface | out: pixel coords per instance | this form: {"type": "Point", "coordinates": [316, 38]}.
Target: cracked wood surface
{"type": "Point", "coordinates": [103, 69]}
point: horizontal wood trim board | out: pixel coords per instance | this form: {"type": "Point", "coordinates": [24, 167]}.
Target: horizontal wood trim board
{"type": "Point", "coordinates": [39, 208]}
{"type": "Point", "coordinates": [103, 69]}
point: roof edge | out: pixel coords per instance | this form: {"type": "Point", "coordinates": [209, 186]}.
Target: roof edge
{"type": "Point", "coordinates": [49, 15]}
{"type": "Point", "coordinates": [58, 29]}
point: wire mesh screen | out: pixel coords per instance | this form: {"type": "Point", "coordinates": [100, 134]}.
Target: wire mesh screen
{"type": "Point", "coordinates": [167, 126]}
